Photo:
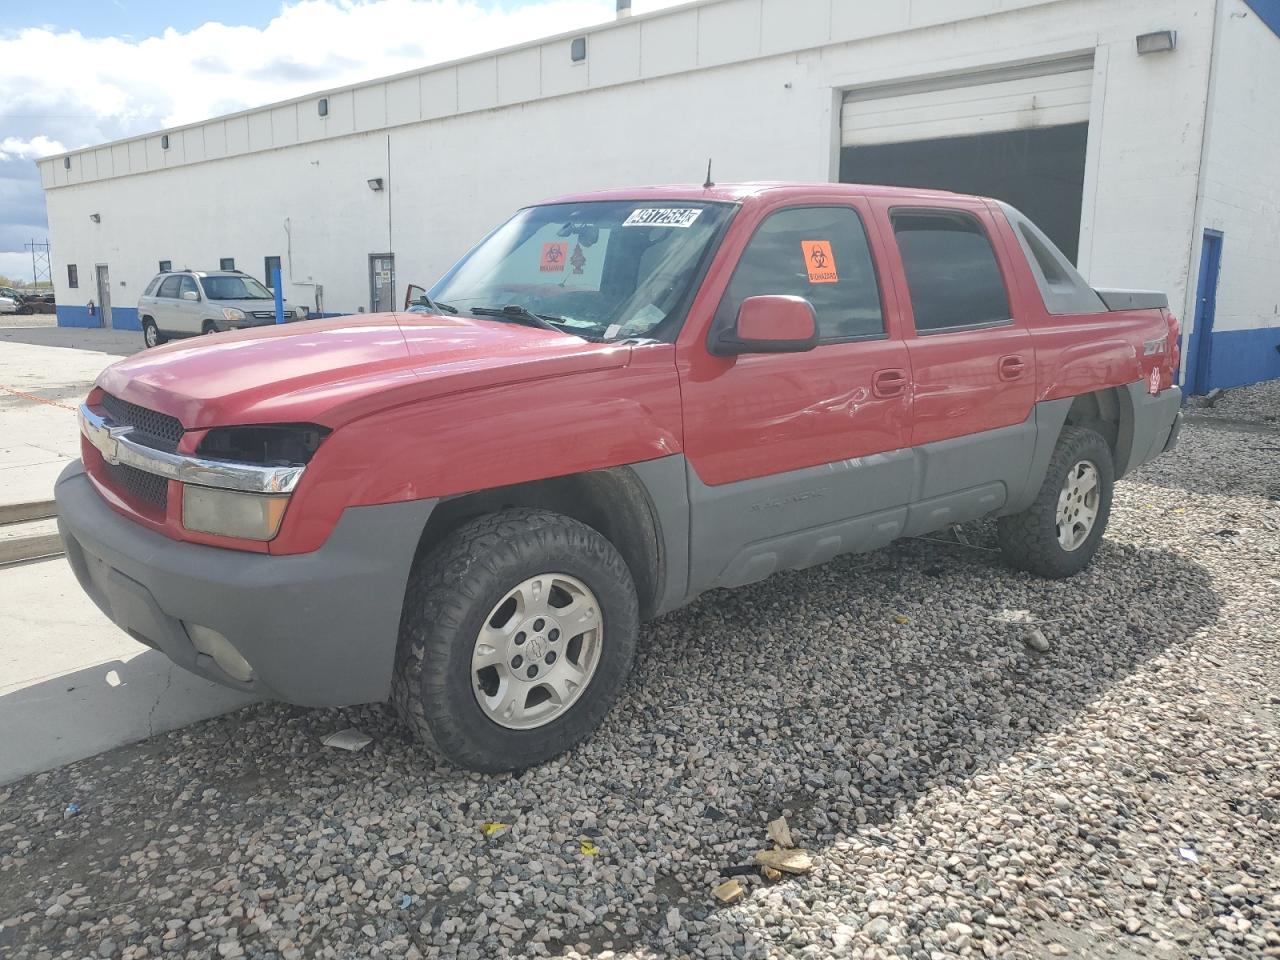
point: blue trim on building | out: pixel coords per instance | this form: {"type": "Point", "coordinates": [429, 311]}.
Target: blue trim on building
{"type": "Point", "coordinates": [1268, 12]}
{"type": "Point", "coordinates": [1241, 357]}
{"type": "Point", "coordinates": [122, 318]}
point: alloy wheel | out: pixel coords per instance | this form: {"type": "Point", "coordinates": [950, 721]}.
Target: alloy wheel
{"type": "Point", "coordinates": [537, 651]}
{"type": "Point", "coordinates": [1078, 505]}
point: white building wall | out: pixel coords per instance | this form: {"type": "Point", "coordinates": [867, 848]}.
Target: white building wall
{"type": "Point", "coordinates": [656, 97]}
{"type": "Point", "coordinates": [1240, 197]}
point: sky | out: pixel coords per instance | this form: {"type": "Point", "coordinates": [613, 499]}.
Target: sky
{"type": "Point", "coordinates": [79, 72]}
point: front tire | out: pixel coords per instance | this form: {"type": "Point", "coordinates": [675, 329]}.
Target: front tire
{"type": "Point", "coordinates": [151, 334]}
{"type": "Point", "coordinates": [208, 327]}
{"type": "Point", "coordinates": [517, 634]}
{"type": "Point", "coordinates": [1060, 532]}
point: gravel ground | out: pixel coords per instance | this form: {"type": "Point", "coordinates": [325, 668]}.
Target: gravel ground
{"type": "Point", "coordinates": [1259, 403]}
{"type": "Point", "coordinates": [962, 793]}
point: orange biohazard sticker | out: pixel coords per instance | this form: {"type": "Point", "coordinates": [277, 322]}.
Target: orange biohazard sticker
{"type": "Point", "coordinates": [819, 261]}
{"type": "Point", "coordinates": [554, 255]}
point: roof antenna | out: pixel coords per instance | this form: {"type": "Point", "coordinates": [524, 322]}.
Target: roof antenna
{"type": "Point", "coordinates": [710, 183]}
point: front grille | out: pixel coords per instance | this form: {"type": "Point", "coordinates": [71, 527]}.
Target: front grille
{"type": "Point", "coordinates": [147, 487]}
{"type": "Point", "coordinates": [151, 429]}
{"type": "Point", "coordinates": [263, 314]}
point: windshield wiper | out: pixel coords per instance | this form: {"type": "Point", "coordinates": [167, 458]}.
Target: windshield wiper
{"type": "Point", "coordinates": [437, 305]}
{"type": "Point", "coordinates": [519, 314]}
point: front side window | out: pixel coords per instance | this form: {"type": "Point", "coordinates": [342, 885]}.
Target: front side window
{"type": "Point", "coordinates": [188, 285]}
{"type": "Point", "coordinates": [820, 254]}
{"type": "Point", "coordinates": [951, 269]}
{"type": "Point", "coordinates": [235, 288]}
{"type": "Point", "coordinates": [170, 287]}
{"type": "Point", "coordinates": [607, 270]}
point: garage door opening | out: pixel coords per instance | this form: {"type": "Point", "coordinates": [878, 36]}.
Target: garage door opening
{"type": "Point", "coordinates": [1017, 133]}
{"type": "Point", "coordinates": [1041, 172]}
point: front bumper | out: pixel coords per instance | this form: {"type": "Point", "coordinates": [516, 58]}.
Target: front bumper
{"type": "Point", "coordinates": [318, 629]}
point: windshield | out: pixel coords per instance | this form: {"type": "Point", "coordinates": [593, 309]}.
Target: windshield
{"type": "Point", "coordinates": [610, 270]}
{"type": "Point", "coordinates": [234, 288]}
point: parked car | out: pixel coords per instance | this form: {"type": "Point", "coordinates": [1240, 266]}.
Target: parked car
{"type": "Point", "coordinates": [194, 302]}
{"type": "Point", "coordinates": [617, 402]}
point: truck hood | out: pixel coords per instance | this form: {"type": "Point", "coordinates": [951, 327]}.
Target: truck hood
{"type": "Point", "coordinates": [334, 370]}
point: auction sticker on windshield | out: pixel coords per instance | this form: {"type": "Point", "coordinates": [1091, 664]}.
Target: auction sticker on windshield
{"type": "Point", "coordinates": [663, 217]}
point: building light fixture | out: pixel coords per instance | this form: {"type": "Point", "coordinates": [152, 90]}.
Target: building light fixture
{"type": "Point", "coordinates": [578, 49]}
{"type": "Point", "coordinates": [375, 183]}
{"type": "Point", "coordinates": [164, 141]}
{"type": "Point", "coordinates": [1162, 41]}
{"type": "Point", "coordinates": [66, 163]}
{"type": "Point", "coordinates": [322, 106]}
{"type": "Point", "coordinates": [95, 217]}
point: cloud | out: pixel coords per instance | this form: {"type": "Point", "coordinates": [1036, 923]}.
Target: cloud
{"type": "Point", "coordinates": [15, 148]}
{"type": "Point", "coordinates": [59, 87]}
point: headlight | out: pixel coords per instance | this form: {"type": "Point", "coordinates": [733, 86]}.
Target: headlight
{"type": "Point", "coordinates": [285, 444]}
{"type": "Point", "coordinates": [230, 513]}
{"type": "Point", "coordinates": [232, 314]}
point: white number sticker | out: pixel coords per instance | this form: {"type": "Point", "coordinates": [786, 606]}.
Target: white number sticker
{"type": "Point", "coordinates": [662, 217]}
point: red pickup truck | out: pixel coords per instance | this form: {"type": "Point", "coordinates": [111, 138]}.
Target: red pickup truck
{"type": "Point", "coordinates": [613, 403]}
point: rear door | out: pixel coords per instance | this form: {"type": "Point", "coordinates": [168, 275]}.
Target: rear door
{"type": "Point", "coordinates": [796, 457]}
{"type": "Point", "coordinates": [972, 362]}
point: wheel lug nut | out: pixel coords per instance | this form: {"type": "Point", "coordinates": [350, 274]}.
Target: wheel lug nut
{"type": "Point", "coordinates": [533, 672]}
{"type": "Point", "coordinates": [516, 661]}
{"type": "Point", "coordinates": [520, 638]}
{"type": "Point", "coordinates": [538, 625]}
{"type": "Point", "coordinates": [551, 657]}
{"type": "Point", "coordinates": [553, 636]}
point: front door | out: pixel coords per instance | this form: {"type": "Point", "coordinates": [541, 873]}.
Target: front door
{"type": "Point", "coordinates": [382, 282]}
{"type": "Point", "coordinates": [797, 457]}
{"type": "Point", "coordinates": [104, 294]}
{"type": "Point", "coordinates": [1200, 350]}
{"type": "Point", "coordinates": [972, 363]}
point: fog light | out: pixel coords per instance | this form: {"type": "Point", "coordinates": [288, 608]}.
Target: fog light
{"type": "Point", "coordinates": [229, 513]}
{"type": "Point", "coordinates": [211, 642]}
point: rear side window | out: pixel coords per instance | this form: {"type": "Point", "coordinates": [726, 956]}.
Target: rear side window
{"type": "Point", "coordinates": [152, 286]}
{"type": "Point", "coordinates": [170, 287]}
{"type": "Point", "coordinates": [952, 272]}
{"type": "Point", "coordinates": [820, 254]}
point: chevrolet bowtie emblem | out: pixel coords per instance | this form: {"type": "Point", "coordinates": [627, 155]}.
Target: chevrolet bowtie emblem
{"type": "Point", "coordinates": [111, 446]}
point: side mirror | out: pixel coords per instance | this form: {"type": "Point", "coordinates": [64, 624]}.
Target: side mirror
{"type": "Point", "coordinates": [771, 324]}
{"type": "Point", "coordinates": [190, 295]}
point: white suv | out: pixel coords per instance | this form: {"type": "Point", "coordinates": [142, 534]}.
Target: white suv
{"type": "Point", "coordinates": [192, 302]}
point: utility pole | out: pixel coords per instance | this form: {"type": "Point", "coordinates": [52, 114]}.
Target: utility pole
{"type": "Point", "coordinates": [41, 265]}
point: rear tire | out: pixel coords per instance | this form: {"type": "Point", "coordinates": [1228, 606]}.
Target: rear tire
{"type": "Point", "coordinates": [1059, 533]}
{"type": "Point", "coordinates": [151, 334]}
{"type": "Point", "coordinates": [464, 688]}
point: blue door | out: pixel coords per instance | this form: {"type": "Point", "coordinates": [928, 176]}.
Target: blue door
{"type": "Point", "coordinates": [1200, 346]}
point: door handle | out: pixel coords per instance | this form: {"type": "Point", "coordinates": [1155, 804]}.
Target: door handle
{"type": "Point", "coordinates": [889, 383]}
{"type": "Point", "coordinates": [1012, 367]}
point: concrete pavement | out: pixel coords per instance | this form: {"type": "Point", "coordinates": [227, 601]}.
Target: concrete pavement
{"type": "Point", "coordinates": [40, 386]}
{"type": "Point", "coordinates": [72, 684]}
